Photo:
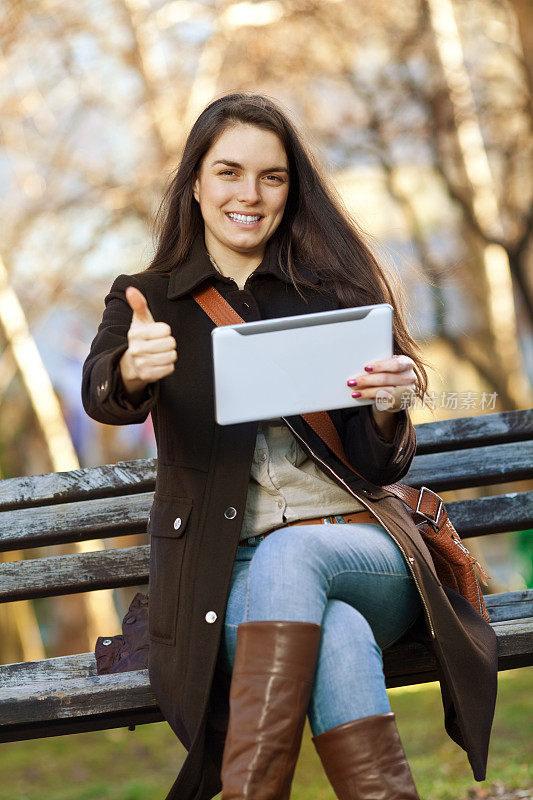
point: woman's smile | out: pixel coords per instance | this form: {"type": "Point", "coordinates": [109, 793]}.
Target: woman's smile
{"type": "Point", "coordinates": [246, 220]}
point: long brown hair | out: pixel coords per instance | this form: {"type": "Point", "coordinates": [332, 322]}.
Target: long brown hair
{"type": "Point", "coordinates": [316, 229]}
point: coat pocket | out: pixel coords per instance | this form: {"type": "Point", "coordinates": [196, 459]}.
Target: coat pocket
{"type": "Point", "coordinates": [167, 525]}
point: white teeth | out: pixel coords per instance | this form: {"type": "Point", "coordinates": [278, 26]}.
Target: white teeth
{"type": "Point", "coordinates": [247, 218]}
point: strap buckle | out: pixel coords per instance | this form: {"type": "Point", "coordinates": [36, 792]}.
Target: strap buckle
{"type": "Point", "coordinates": [433, 521]}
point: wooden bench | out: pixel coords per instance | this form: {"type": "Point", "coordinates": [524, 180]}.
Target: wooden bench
{"type": "Point", "coordinates": [66, 695]}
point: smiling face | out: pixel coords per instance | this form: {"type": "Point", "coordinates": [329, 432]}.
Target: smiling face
{"type": "Point", "coordinates": [242, 190]}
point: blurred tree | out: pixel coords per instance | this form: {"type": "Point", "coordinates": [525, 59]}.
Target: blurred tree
{"type": "Point", "coordinates": [93, 122]}
{"type": "Point", "coordinates": [523, 10]}
{"type": "Point", "coordinates": [19, 632]}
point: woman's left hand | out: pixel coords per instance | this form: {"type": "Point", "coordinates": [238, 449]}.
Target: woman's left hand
{"type": "Point", "coordinates": [390, 383]}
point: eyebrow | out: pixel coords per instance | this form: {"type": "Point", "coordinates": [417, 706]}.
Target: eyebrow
{"type": "Point", "coordinates": [239, 166]}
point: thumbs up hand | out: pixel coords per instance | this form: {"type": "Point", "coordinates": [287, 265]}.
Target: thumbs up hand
{"type": "Point", "coordinates": [151, 349]}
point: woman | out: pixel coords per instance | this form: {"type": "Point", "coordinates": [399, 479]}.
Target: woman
{"type": "Point", "coordinates": [259, 612]}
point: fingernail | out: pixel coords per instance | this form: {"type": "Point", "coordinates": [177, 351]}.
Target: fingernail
{"type": "Point", "coordinates": [352, 382]}
{"type": "Point", "coordinates": [369, 369]}
{"type": "Point", "coordinates": [356, 394]}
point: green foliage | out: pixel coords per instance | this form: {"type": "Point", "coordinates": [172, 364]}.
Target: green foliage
{"type": "Point", "coordinates": [524, 549]}
{"type": "Point", "coordinates": [142, 765]}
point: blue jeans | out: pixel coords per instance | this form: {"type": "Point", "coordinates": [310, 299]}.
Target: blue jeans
{"type": "Point", "coordinates": [352, 579]}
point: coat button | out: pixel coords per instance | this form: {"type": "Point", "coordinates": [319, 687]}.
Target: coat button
{"type": "Point", "coordinates": [230, 513]}
{"type": "Point", "coordinates": [177, 523]}
{"type": "Point", "coordinates": [106, 641]}
{"type": "Point", "coordinates": [211, 616]}
{"type": "Point", "coordinates": [411, 559]}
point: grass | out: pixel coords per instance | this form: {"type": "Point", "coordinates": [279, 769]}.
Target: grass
{"type": "Point", "coordinates": [142, 765]}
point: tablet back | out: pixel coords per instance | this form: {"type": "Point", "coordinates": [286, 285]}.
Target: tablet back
{"type": "Point", "coordinates": [293, 365]}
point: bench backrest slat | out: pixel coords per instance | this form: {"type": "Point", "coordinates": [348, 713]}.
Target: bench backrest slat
{"type": "Point", "coordinates": [480, 466]}
{"type": "Point", "coordinates": [500, 513]}
{"type": "Point", "coordinates": [122, 516]}
{"type": "Point", "coordinates": [74, 522]}
{"type": "Point", "coordinates": [80, 484]}
{"type": "Point", "coordinates": [75, 572]}
{"type": "Point", "coordinates": [139, 475]}
{"type": "Point", "coordinates": [485, 429]}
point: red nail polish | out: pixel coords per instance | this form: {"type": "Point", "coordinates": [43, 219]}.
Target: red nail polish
{"type": "Point", "coordinates": [369, 369]}
{"type": "Point", "coordinates": [356, 394]}
{"type": "Point", "coordinates": [352, 382]}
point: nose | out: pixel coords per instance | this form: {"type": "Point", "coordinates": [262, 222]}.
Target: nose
{"type": "Point", "coordinates": [248, 191]}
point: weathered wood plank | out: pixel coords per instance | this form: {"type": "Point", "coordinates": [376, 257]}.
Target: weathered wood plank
{"type": "Point", "coordinates": [69, 725]}
{"type": "Point", "coordinates": [58, 669]}
{"type": "Point", "coordinates": [77, 572]}
{"type": "Point", "coordinates": [507, 606]}
{"type": "Point", "coordinates": [484, 429]}
{"type": "Point", "coordinates": [23, 529]}
{"type": "Point", "coordinates": [514, 640]}
{"type": "Point", "coordinates": [504, 606]}
{"type": "Point", "coordinates": [41, 701]}
{"type": "Point", "coordinates": [114, 479]}
{"type": "Point", "coordinates": [481, 516]}
{"type": "Point", "coordinates": [411, 664]}
{"type": "Point", "coordinates": [74, 522]}
{"type": "Point", "coordinates": [99, 694]}
{"type": "Point", "coordinates": [458, 469]}
{"type": "Point", "coordinates": [439, 471]}
{"type": "Point", "coordinates": [78, 484]}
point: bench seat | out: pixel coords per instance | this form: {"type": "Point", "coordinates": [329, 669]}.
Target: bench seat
{"type": "Point", "coordinates": [66, 695]}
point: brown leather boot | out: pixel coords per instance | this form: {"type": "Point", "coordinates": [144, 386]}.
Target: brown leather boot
{"type": "Point", "coordinates": [270, 690]}
{"type": "Point", "coordinates": [364, 760]}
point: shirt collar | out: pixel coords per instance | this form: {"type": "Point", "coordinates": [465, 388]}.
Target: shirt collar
{"type": "Point", "coordinates": [197, 268]}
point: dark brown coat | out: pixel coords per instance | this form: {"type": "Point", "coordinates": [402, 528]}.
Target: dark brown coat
{"type": "Point", "coordinates": [203, 470]}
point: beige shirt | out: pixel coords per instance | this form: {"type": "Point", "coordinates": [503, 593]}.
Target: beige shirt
{"type": "Point", "coordinates": [286, 485]}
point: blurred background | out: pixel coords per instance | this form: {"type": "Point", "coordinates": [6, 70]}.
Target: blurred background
{"type": "Point", "coordinates": [420, 112]}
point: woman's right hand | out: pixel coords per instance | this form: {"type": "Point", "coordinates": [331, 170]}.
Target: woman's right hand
{"type": "Point", "coordinates": [151, 349]}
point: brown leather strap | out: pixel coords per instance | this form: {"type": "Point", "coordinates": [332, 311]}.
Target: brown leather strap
{"type": "Point", "coordinates": [354, 516]}
{"type": "Point", "coordinates": [214, 305]}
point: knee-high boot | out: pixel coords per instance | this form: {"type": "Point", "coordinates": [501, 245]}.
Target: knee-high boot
{"type": "Point", "coordinates": [271, 685]}
{"type": "Point", "coordinates": [364, 760]}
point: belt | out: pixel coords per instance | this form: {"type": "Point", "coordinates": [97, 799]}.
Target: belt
{"type": "Point", "coordinates": [356, 516]}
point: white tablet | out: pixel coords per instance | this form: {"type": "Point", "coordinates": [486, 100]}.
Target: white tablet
{"type": "Point", "coordinates": [293, 365]}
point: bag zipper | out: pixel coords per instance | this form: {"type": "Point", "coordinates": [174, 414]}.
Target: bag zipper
{"type": "Point", "coordinates": [372, 511]}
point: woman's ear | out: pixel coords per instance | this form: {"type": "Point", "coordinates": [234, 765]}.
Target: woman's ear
{"type": "Point", "coordinates": [195, 191]}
